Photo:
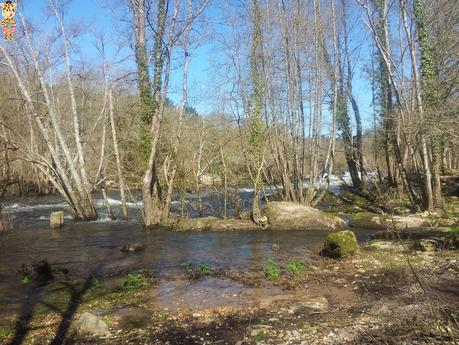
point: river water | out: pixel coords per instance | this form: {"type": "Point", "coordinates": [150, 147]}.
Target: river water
{"type": "Point", "coordinates": [93, 249]}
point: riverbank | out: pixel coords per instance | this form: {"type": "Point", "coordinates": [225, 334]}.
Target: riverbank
{"type": "Point", "coordinates": [371, 297]}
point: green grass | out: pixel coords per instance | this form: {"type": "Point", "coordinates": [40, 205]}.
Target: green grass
{"type": "Point", "coordinates": [272, 270]}
{"type": "Point", "coordinates": [455, 229]}
{"type": "Point", "coordinates": [5, 332]}
{"type": "Point", "coordinates": [194, 271]}
{"type": "Point", "coordinates": [25, 280]}
{"type": "Point", "coordinates": [96, 286]}
{"type": "Point", "coordinates": [134, 281]}
{"type": "Point", "coordinates": [295, 267]}
{"type": "Point", "coordinates": [260, 336]}
{"type": "Point", "coordinates": [204, 268]}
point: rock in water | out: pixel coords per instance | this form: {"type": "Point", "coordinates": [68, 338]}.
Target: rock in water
{"type": "Point", "coordinates": [132, 247]}
{"type": "Point", "coordinates": [290, 215]}
{"type": "Point", "coordinates": [57, 219]}
{"type": "Point", "coordinates": [340, 244]}
{"type": "Point", "coordinates": [89, 324]}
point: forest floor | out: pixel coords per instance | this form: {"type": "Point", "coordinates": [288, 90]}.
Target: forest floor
{"type": "Point", "coordinates": [385, 294]}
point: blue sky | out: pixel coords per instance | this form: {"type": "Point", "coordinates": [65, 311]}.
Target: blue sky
{"type": "Point", "coordinates": [98, 15]}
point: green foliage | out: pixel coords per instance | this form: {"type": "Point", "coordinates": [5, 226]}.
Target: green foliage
{"type": "Point", "coordinates": [5, 332]}
{"type": "Point", "coordinates": [272, 270]}
{"type": "Point", "coordinates": [25, 280]}
{"type": "Point", "coordinates": [196, 271]}
{"type": "Point", "coordinates": [428, 58]}
{"type": "Point", "coordinates": [133, 281]}
{"type": "Point", "coordinates": [96, 285]}
{"type": "Point", "coordinates": [204, 268]}
{"type": "Point", "coordinates": [455, 229]}
{"type": "Point", "coordinates": [260, 336]}
{"type": "Point", "coordinates": [295, 266]}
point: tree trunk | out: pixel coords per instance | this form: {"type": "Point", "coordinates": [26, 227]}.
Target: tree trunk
{"type": "Point", "coordinates": [119, 167]}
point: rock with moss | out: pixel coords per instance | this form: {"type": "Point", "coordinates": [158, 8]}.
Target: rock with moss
{"type": "Point", "coordinates": [132, 247]}
{"type": "Point", "coordinates": [213, 224]}
{"type": "Point", "coordinates": [372, 221]}
{"type": "Point", "coordinates": [384, 246]}
{"type": "Point", "coordinates": [290, 215]}
{"type": "Point", "coordinates": [195, 224]}
{"type": "Point", "coordinates": [340, 244]}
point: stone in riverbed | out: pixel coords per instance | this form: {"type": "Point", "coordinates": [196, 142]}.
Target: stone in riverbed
{"type": "Point", "coordinates": [132, 247]}
{"type": "Point", "coordinates": [56, 220]}
{"type": "Point", "coordinates": [290, 215]}
{"type": "Point", "coordinates": [90, 325]}
{"type": "Point", "coordinates": [340, 244]}
{"type": "Point", "coordinates": [314, 305]}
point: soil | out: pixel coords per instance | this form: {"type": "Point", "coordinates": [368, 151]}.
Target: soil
{"type": "Point", "coordinates": [372, 297]}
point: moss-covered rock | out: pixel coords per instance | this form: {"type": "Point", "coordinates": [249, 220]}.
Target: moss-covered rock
{"type": "Point", "coordinates": [340, 244]}
{"type": "Point", "coordinates": [290, 215]}
{"type": "Point", "coordinates": [372, 221]}
{"type": "Point", "coordinates": [213, 224]}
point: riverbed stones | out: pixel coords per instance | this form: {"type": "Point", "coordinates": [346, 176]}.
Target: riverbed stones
{"type": "Point", "coordinates": [132, 247]}
{"type": "Point", "coordinates": [311, 306]}
{"type": "Point", "coordinates": [90, 325]}
{"type": "Point", "coordinates": [290, 215]}
{"type": "Point", "coordinates": [56, 219]}
{"type": "Point", "coordinates": [340, 244]}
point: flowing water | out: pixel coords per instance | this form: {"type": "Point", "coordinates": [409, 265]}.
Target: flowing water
{"type": "Point", "coordinates": [93, 249]}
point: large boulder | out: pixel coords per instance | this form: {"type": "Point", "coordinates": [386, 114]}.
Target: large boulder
{"type": "Point", "coordinates": [90, 325]}
{"type": "Point", "coordinates": [289, 215]}
{"type": "Point", "coordinates": [340, 244]}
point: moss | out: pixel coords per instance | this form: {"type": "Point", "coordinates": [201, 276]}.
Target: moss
{"type": "Point", "coordinates": [340, 244]}
{"type": "Point", "coordinates": [260, 336]}
{"type": "Point", "coordinates": [6, 331]}
{"type": "Point", "coordinates": [130, 322]}
{"type": "Point", "coordinates": [196, 224]}
{"type": "Point", "coordinates": [455, 229]}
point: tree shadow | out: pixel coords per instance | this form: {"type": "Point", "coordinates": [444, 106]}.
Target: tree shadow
{"type": "Point", "coordinates": [75, 292]}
